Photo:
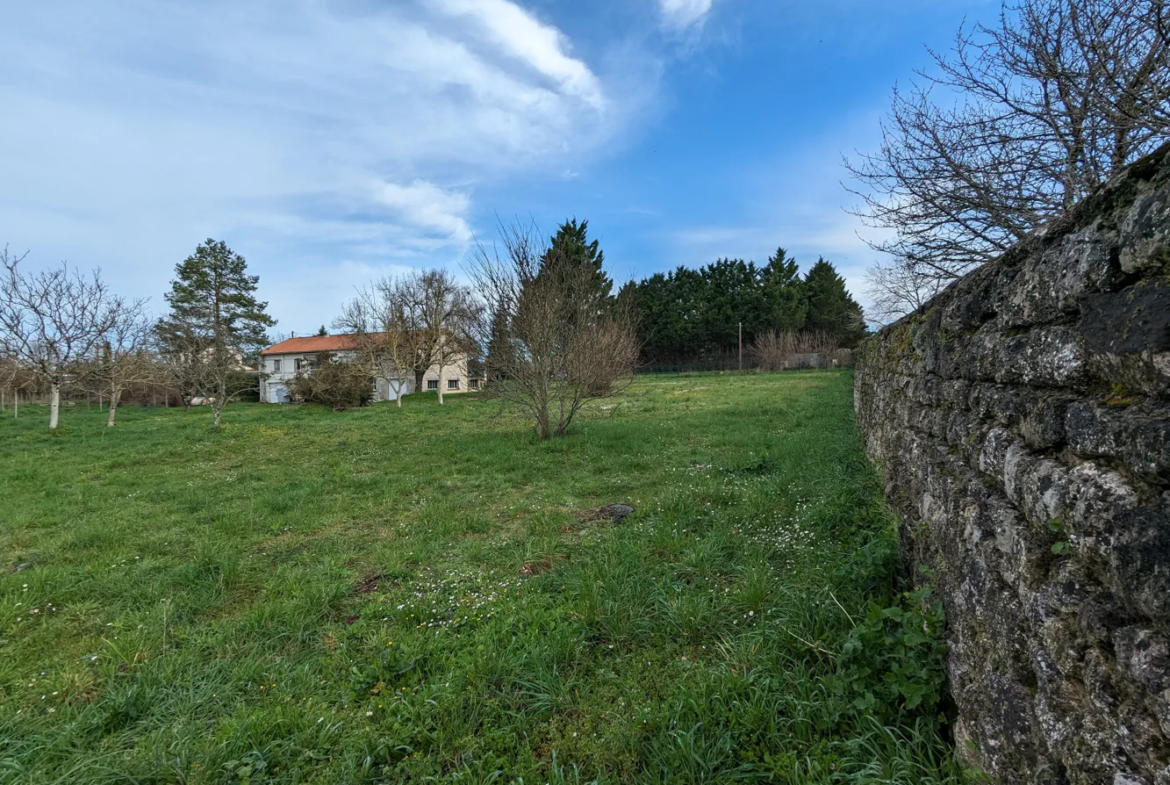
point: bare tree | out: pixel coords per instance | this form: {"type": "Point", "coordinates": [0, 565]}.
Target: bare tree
{"type": "Point", "coordinates": [554, 347]}
{"type": "Point", "coordinates": [437, 315]}
{"type": "Point", "coordinates": [897, 288]}
{"type": "Point", "coordinates": [124, 355]}
{"type": "Point", "coordinates": [181, 363]}
{"type": "Point", "coordinates": [9, 378]}
{"type": "Point", "coordinates": [406, 325]}
{"type": "Point", "coordinates": [53, 320]}
{"type": "Point", "coordinates": [1015, 124]}
{"type": "Point", "coordinates": [381, 339]}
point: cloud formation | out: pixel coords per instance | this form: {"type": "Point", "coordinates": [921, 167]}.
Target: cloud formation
{"type": "Point", "coordinates": [681, 14]}
{"type": "Point", "coordinates": [317, 132]}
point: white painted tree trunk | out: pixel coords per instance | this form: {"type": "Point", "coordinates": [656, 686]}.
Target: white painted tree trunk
{"type": "Point", "coordinates": [440, 385]}
{"type": "Point", "coordinates": [114, 398]}
{"type": "Point", "coordinates": [54, 404]}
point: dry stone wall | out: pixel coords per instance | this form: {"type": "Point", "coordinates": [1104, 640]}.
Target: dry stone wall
{"type": "Point", "coordinates": [1021, 421]}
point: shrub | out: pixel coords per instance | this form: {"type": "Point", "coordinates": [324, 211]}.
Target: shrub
{"type": "Point", "coordinates": [777, 351]}
{"type": "Point", "coordinates": [332, 382]}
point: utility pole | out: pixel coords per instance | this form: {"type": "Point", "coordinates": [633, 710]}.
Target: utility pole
{"type": "Point", "coordinates": [741, 346]}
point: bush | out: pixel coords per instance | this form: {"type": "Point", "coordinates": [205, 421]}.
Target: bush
{"type": "Point", "coordinates": [334, 383]}
{"type": "Point", "coordinates": [777, 351]}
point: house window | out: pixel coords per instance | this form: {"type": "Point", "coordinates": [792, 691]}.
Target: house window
{"type": "Point", "coordinates": [298, 363]}
{"type": "Point", "coordinates": [276, 366]}
{"type": "Point", "coordinates": [432, 384]}
{"type": "Point", "coordinates": [473, 384]}
{"type": "Point", "coordinates": [374, 387]}
{"type": "Point", "coordinates": [452, 384]}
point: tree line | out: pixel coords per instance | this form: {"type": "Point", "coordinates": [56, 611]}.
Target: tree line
{"type": "Point", "coordinates": [540, 323]}
{"type": "Point", "coordinates": [62, 329]}
{"type": "Point", "coordinates": [688, 314]}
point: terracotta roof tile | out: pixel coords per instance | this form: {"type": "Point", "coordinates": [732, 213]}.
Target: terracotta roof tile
{"type": "Point", "coordinates": [314, 343]}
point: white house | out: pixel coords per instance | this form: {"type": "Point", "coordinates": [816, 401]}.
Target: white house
{"type": "Point", "coordinates": [280, 362]}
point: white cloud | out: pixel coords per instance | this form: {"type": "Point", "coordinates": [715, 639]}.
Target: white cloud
{"type": "Point", "coordinates": [540, 46]}
{"type": "Point", "coordinates": [427, 206]}
{"type": "Point", "coordinates": [302, 132]}
{"type": "Point", "coordinates": [682, 14]}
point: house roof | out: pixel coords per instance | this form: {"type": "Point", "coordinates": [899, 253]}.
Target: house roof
{"type": "Point", "coordinates": [314, 343]}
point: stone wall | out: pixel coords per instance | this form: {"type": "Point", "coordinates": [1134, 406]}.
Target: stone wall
{"type": "Point", "coordinates": [1021, 421]}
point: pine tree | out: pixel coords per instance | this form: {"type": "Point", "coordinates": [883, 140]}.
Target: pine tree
{"type": "Point", "coordinates": [215, 321]}
{"type": "Point", "coordinates": [831, 309]}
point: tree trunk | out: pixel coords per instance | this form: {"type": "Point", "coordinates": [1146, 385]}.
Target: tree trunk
{"type": "Point", "coordinates": [398, 387]}
{"type": "Point", "coordinates": [440, 385]}
{"type": "Point", "coordinates": [54, 404]}
{"type": "Point", "coordinates": [114, 397]}
{"type": "Point", "coordinates": [216, 410]}
{"type": "Point", "coordinates": [418, 380]}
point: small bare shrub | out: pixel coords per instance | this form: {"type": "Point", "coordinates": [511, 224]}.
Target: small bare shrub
{"type": "Point", "coordinates": [778, 351]}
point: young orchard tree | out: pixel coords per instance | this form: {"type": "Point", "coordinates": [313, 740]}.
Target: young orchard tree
{"type": "Point", "coordinates": [215, 321]}
{"type": "Point", "coordinates": [124, 356]}
{"type": "Point", "coordinates": [10, 380]}
{"type": "Point", "coordinates": [556, 345]}
{"type": "Point", "coordinates": [1018, 122]}
{"type": "Point", "coordinates": [52, 321]}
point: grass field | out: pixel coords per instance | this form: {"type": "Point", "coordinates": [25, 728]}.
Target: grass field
{"type": "Point", "coordinates": [420, 595]}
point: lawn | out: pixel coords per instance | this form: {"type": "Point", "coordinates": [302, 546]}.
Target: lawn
{"type": "Point", "coordinates": [421, 594]}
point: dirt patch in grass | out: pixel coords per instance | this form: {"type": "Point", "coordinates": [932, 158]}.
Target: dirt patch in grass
{"type": "Point", "coordinates": [370, 583]}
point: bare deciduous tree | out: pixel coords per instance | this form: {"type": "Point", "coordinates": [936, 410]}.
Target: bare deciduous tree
{"type": "Point", "coordinates": [554, 348]}
{"type": "Point", "coordinates": [406, 325]}
{"type": "Point", "coordinates": [1016, 123]}
{"type": "Point", "coordinates": [124, 357]}
{"type": "Point", "coordinates": [380, 337]}
{"type": "Point", "coordinates": [52, 320]}
{"type": "Point", "coordinates": [897, 288]}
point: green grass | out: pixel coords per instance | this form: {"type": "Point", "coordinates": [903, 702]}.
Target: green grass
{"type": "Point", "coordinates": [418, 595]}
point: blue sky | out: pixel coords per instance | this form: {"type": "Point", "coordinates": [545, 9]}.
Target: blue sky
{"type": "Point", "coordinates": [334, 141]}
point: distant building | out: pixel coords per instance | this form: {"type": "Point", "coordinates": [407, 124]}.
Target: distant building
{"type": "Point", "coordinates": [281, 362]}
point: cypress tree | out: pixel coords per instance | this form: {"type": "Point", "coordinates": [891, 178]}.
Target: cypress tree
{"type": "Point", "coordinates": [831, 309]}
{"type": "Point", "coordinates": [571, 246]}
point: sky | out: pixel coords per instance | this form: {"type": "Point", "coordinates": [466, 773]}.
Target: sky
{"type": "Point", "coordinates": [334, 142]}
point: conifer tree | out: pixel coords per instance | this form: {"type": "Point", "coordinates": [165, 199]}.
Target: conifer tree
{"type": "Point", "coordinates": [831, 309]}
{"type": "Point", "coordinates": [784, 293]}
{"type": "Point", "coordinates": [571, 246]}
{"type": "Point", "coordinates": [215, 322]}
